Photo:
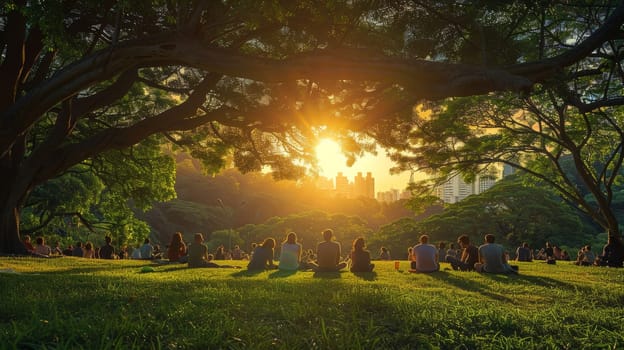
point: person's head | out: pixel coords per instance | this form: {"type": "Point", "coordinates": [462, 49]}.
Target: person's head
{"type": "Point", "coordinates": [489, 238]}
{"type": "Point", "coordinates": [587, 248]}
{"type": "Point", "coordinates": [328, 234]}
{"type": "Point", "coordinates": [410, 250]}
{"type": "Point", "coordinates": [452, 246]}
{"type": "Point", "coordinates": [176, 239]}
{"type": "Point", "coordinates": [146, 241]}
{"type": "Point", "coordinates": [268, 243]}
{"type": "Point", "coordinates": [78, 244]}
{"type": "Point", "coordinates": [26, 238]}
{"type": "Point", "coordinates": [198, 238]}
{"type": "Point", "coordinates": [442, 245]}
{"type": "Point", "coordinates": [463, 240]}
{"type": "Point", "coordinates": [108, 239]}
{"type": "Point", "coordinates": [547, 244]}
{"type": "Point", "coordinates": [291, 238]}
{"type": "Point", "coordinates": [39, 240]}
{"type": "Point", "coordinates": [359, 244]}
{"type": "Point", "coordinates": [88, 246]}
{"type": "Point", "coordinates": [525, 245]}
{"type": "Point", "coordinates": [384, 249]}
{"type": "Point", "coordinates": [253, 245]}
{"type": "Point", "coordinates": [424, 239]}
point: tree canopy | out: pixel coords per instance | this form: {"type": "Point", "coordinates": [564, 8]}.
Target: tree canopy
{"type": "Point", "coordinates": [255, 83]}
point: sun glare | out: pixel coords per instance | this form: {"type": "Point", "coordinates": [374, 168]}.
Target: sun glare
{"type": "Point", "coordinates": [330, 157]}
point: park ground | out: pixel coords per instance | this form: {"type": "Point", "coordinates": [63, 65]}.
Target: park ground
{"type": "Point", "coordinates": [73, 303]}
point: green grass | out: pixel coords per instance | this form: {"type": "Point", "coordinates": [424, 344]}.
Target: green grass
{"type": "Point", "coordinates": [72, 303]}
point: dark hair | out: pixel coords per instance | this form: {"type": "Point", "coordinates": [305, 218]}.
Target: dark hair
{"type": "Point", "coordinates": [359, 244]}
{"type": "Point", "coordinates": [489, 238]}
{"type": "Point", "coordinates": [463, 239]}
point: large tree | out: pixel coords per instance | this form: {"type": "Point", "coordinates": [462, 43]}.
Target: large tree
{"type": "Point", "coordinates": [257, 80]}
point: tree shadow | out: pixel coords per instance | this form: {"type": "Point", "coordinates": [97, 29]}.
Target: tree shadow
{"type": "Point", "coordinates": [326, 274]}
{"type": "Point", "coordinates": [246, 273]}
{"type": "Point", "coordinates": [455, 280]}
{"type": "Point", "coordinates": [367, 276]}
{"type": "Point", "coordinates": [282, 273]}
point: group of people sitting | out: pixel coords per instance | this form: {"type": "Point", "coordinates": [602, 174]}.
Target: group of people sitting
{"type": "Point", "coordinates": [424, 257]}
{"type": "Point", "coordinates": [612, 254]}
{"type": "Point", "coordinates": [489, 257]}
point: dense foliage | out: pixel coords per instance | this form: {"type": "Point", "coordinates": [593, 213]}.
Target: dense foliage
{"type": "Point", "coordinates": [255, 83]}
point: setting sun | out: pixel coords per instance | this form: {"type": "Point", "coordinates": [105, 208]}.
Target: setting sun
{"type": "Point", "coordinates": [330, 157]}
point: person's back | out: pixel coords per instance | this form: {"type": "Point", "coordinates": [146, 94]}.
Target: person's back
{"type": "Point", "coordinates": [107, 251]}
{"type": "Point", "coordinates": [196, 254]}
{"type": "Point", "coordinates": [262, 257]}
{"type": "Point", "coordinates": [78, 250]}
{"type": "Point", "coordinates": [289, 256]}
{"type": "Point", "coordinates": [146, 250]}
{"type": "Point", "coordinates": [360, 257]}
{"type": "Point", "coordinates": [470, 256]}
{"type": "Point", "coordinates": [425, 256]}
{"type": "Point", "coordinates": [523, 253]}
{"type": "Point", "coordinates": [177, 248]}
{"type": "Point", "coordinates": [491, 257]}
{"type": "Point", "coordinates": [328, 254]}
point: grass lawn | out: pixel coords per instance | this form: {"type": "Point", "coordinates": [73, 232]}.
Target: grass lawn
{"type": "Point", "coordinates": [70, 303]}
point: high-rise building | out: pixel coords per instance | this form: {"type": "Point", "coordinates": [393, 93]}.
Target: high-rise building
{"type": "Point", "coordinates": [342, 185]}
{"type": "Point", "coordinates": [361, 186]}
{"type": "Point", "coordinates": [456, 189]}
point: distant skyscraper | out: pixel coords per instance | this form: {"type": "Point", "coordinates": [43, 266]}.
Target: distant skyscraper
{"type": "Point", "coordinates": [361, 186]}
{"type": "Point", "coordinates": [342, 185]}
{"type": "Point", "coordinates": [456, 189]}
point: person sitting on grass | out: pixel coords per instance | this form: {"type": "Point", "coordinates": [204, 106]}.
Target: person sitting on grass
{"type": "Point", "coordinates": [585, 256]}
{"type": "Point", "coordinates": [88, 251]}
{"type": "Point", "coordinates": [492, 258]}
{"type": "Point", "coordinates": [328, 254]}
{"type": "Point", "coordinates": [290, 255]}
{"type": "Point", "coordinates": [28, 244]}
{"type": "Point", "coordinates": [469, 255]}
{"type": "Point", "coordinates": [524, 253]}
{"type": "Point", "coordinates": [612, 253]}
{"type": "Point", "coordinates": [198, 254]}
{"type": "Point", "coordinates": [146, 250]}
{"type": "Point", "coordinates": [177, 249]}
{"type": "Point", "coordinates": [360, 257]}
{"type": "Point", "coordinates": [107, 251]}
{"type": "Point", "coordinates": [425, 256]}
{"type": "Point", "coordinates": [262, 256]}
{"type": "Point", "coordinates": [41, 248]}
{"type": "Point", "coordinates": [384, 254]}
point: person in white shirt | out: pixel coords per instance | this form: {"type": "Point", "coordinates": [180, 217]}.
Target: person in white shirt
{"type": "Point", "coordinates": [290, 253]}
{"type": "Point", "coordinates": [425, 256]}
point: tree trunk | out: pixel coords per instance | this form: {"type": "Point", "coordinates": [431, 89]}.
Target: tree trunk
{"type": "Point", "coordinates": [10, 242]}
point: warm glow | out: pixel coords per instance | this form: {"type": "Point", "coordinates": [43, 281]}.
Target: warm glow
{"type": "Point", "coordinates": [331, 161]}
{"type": "Point", "coordinates": [330, 157]}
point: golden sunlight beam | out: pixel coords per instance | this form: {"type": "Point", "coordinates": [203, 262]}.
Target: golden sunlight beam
{"type": "Point", "coordinates": [330, 157]}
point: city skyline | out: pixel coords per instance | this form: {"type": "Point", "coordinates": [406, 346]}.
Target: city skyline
{"type": "Point", "coordinates": [332, 161]}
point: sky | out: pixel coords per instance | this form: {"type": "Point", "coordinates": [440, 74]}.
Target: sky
{"type": "Point", "coordinates": [331, 161]}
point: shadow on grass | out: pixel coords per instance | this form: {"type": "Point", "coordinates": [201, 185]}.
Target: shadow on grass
{"type": "Point", "coordinates": [282, 273]}
{"type": "Point", "coordinates": [326, 274]}
{"type": "Point", "coordinates": [467, 284]}
{"type": "Point", "coordinates": [368, 276]}
{"type": "Point", "coordinates": [247, 273]}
